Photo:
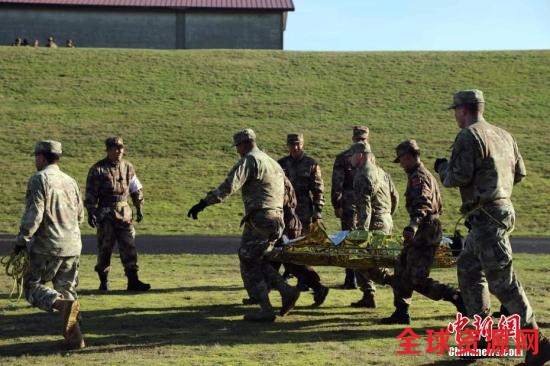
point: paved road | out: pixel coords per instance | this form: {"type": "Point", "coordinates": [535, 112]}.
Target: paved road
{"type": "Point", "coordinates": [206, 244]}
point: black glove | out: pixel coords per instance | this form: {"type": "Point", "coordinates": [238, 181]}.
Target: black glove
{"type": "Point", "coordinates": [92, 219]}
{"type": "Point", "coordinates": [194, 211]}
{"type": "Point", "coordinates": [139, 215]}
{"type": "Point", "coordinates": [408, 234]}
{"type": "Point", "coordinates": [16, 248]}
{"type": "Point", "coordinates": [438, 163]}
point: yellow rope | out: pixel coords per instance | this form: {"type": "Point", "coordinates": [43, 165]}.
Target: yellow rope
{"type": "Point", "coordinates": [15, 266]}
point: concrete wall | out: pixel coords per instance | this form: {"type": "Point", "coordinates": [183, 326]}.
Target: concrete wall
{"type": "Point", "coordinates": [90, 27]}
{"type": "Point", "coordinates": [233, 30]}
{"type": "Point", "coordinates": [142, 28]}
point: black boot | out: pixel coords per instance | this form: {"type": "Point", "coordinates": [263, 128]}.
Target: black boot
{"type": "Point", "coordinates": [399, 316]}
{"type": "Point", "coordinates": [350, 282]}
{"type": "Point", "coordinates": [134, 284]}
{"type": "Point", "coordinates": [458, 302]}
{"type": "Point", "coordinates": [366, 302]}
{"type": "Point", "coordinates": [103, 281]}
{"type": "Point", "coordinates": [319, 296]}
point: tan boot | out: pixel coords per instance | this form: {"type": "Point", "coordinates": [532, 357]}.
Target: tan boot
{"type": "Point", "coordinates": [69, 310]}
{"type": "Point", "coordinates": [289, 295]}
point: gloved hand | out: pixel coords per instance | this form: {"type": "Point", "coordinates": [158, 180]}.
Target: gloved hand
{"type": "Point", "coordinates": [16, 248]}
{"type": "Point", "coordinates": [139, 215]}
{"type": "Point", "coordinates": [92, 219]}
{"type": "Point", "coordinates": [194, 211]}
{"type": "Point", "coordinates": [408, 234]}
{"type": "Point", "coordinates": [438, 163]}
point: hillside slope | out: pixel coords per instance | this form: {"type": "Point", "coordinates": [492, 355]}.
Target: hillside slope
{"type": "Point", "coordinates": [177, 111]}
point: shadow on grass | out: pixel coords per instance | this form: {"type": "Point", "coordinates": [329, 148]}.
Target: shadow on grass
{"type": "Point", "coordinates": [161, 290]}
{"type": "Point", "coordinates": [129, 328]}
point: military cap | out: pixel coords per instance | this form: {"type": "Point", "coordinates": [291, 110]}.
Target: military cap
{"type": "Point", "coordinates": [361, 132]}
{"type": "Point", "coordinates": [114, 141]}
{"type": "Point", "coordinates": [47, 146]}
{"type": "Point", "coordinates": [406, 147]}
{"type": "Point", "coordinates": [468, 96]}
{"type": "Point", "coordinates": [243, 136]}
{"type": "Point", "coordinates": [294, 138]}
{"type": "Point", "coordinates": [360, 148]}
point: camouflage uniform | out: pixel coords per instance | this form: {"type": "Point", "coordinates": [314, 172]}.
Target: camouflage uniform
{"type": "Point", "coordinates": [50, 228]}
{"type": "Point", "coordinates": [305, 176]}
{"type": "Point", "coordinates": [485, 164]}
{"type": "Point", "coordinates": [376, 201]}
{"type": "Point", "coordinates": [342, 194]}
{"type": "Point", "coordinates": [262, 182]}
{"type": "Point", "coordinates": [107, 191]}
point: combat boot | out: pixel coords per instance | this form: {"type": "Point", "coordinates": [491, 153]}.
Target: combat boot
{"type": "Point", "coordinates": [134, 284]}
{"type": "Point", "coordinates": [543, 354]}
{"type": "Point", "coordinates": [399, 316]}
{"type": "Point", "coordinates": [350, 282]}
{"type": "Point", "coordinates": [289, 295]}
{"type": "Point", "coordinates": [250, 301]}
{"type": "Point", "coordinates": [319, 296]}
{"type": "Point", "coordinates": [70, 310]}
{"type": "Point", "coordinates": [103, 281]}
{"type": "Point", "coordinates": [366, 302]}
{"type": "Point", "coordinates": [266, 313]}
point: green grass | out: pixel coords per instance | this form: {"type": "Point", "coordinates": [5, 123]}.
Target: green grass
{"type": "Point", "coordinates": [177, 111]}
{"type": "Point", "coordinates": [192, 316]}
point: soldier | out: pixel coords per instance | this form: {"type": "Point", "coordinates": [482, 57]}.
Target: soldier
{"type": "Point", "coordinates": [342, 194]}
{"type": "Point", "coordinates": [262, 183]}
{"type": "Point", "coordinates": [110, 181]}
{"type": "Point", "coordinates": [305, 175]}
{"type": "Point", "coordinates": [51, 43]}
{"type": "Point", "coordinates": [421, 237]}
{"type": "Point", "coordinates": [485, 164]}
{"type": "Point", "coordinates": [50, 230]}
{"type": "Point", "coordinates": [376, 200]}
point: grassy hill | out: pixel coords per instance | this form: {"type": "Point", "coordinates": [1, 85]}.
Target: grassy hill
{"type": "Point", "coordinates": [177, 111]}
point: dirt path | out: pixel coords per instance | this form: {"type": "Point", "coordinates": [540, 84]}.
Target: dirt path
{"type": "Point", "coordinates": [206, 244]}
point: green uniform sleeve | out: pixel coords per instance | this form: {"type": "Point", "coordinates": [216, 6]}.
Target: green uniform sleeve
{"type": "Point", "coordinates": [34, 210]}
{"type": "Point", "coordinates": [236, 178]}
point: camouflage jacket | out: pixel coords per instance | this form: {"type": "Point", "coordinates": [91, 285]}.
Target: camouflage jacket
{"type": "Point", "coordinates": [305, 176]}
{"type": "Point", "coordinates": [293, 226]}
{"type": "Point", "coordinates": [108, 188]}
{"type": "Point", "coordinates": [53, 213]}
{"type": "Point", "coordinates": [342, 180]}
{"type": "Point", "coordinates": [485, 163]}
{"type": "Point", "coordinates": [423, 199]}
{"type": "Point", "coordinates": [376, 198]}
{"type": "Point", "coordinates": [261, 180]}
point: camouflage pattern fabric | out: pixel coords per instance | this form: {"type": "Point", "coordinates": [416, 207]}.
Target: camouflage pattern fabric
{"type": "Point", "coordinates": [377, 200]}
{"type": "Point", "coordinates": [485, 164]}
{"type": "Point", "coordinates": [261, 180]}
{"type": "Point", "coordinates": [423, 202]}
{"type": "Point", "coordinates": [61, 271]}
{"type": "Point", "coordinates": [305, 176]}
{"type": "Point", "coordinates": [107, 191]}
{"type": "Point", "coordinates": [261, 230]}
{"type": "Point", "coordinates": [342, 193]}
{"type": "Point", "coordinates": [53, 213]}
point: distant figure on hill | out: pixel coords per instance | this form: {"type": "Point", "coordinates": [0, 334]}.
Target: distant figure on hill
{"type": "Point", "coordinates": [51, 43]}
{"type": "Point", "coordinates": [18, 42]}
{"type": "Point", "coordinates": [69, 43]}
{"type": "Point", "coordinates": [36, 43]}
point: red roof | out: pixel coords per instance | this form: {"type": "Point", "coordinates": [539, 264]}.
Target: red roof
{"type": "Point", "coordinates": [282, 5]}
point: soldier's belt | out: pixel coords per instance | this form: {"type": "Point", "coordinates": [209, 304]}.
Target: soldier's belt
{"type": "Point", "coordinates": [357, 250]}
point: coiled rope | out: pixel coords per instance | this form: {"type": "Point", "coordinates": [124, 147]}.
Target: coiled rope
{"type": "Point", "coordinates": [15, 266]}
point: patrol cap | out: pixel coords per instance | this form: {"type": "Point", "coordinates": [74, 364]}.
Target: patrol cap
{"type": "Point", "coordinates": [114, 141]}
{"type": "Point", "coordinates": [47, 146]}
{"type": "Point", "coordinates": [360, 148]}
{"type": "Point", "coordinates": [294, 138]}
{"type": "Point", "coordinates": [468, 96]}
{"type": "Point", "coordinates": [406, 147]}
{"type": "Point", "coordinates": [361, 132]}
{"type": "Point", "coordinates": [243, 136]}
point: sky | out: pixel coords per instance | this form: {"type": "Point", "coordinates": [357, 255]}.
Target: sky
{"type": "Point", "coordinates": [418, 25]}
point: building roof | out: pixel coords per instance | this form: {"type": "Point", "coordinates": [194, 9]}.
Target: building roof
{"type": "Point", "coordinates": [282, 5]}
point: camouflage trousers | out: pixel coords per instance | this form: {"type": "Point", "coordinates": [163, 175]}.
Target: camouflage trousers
{"type": "Point", "coordinates": [261, 230]}
{"type": "Point", "coordinates": [413, 268]}
{"type": "Point", "coordinates": [382, 276]}
{"type": "Point", "coordinates": [348, 221]}
{"type": "Point", "coordinates": [61, 271]}
{"type": "Point", "coordinates": [486, 265]}
{"type": "Point", "coordinates": [110, 232]}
